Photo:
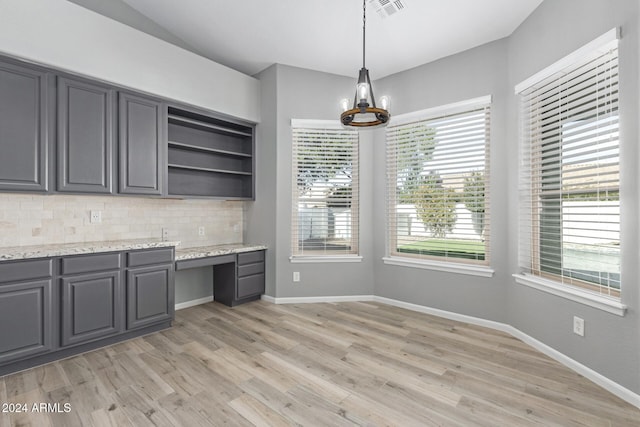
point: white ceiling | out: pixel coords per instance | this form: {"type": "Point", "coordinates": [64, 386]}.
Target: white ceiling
{"type": "Point", "coordinates": [326, 35]}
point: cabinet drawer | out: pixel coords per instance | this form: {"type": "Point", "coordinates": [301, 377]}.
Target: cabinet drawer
{"type": "Point", "coordinates": [250, 285]}
{"type": "Point", "coordinates": [250, 269]}
{"type": "Point", "coordinates": [25, 270]}
{"type": "Point", "coordinates": [90, 263]}
{"type": "Point", "coordinates": [149, 257]}
{"type": "Point", "coordinates": [250, 257]}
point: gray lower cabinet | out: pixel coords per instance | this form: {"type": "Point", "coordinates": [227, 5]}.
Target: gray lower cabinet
{"type": "Point", "coordinates": [56, 307]}
{"type": "Point", "coordinates": [86, 131]}
{"type": "Point", "coordinates": [24, 128]}
{"type": "Point", "coordinates": [26, 309]}
{"type": "Point", "coordinates": [91, 297]}
{"type": "Point", "coordinates": [141, 124]}
{"type": "Point", "coordinates": [91, 306]}
{"type": "Point", "coordinates": [150, 287]}
{"type": "Point", "coordinates": [150, 296]}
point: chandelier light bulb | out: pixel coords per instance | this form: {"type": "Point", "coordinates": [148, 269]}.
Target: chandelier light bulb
{"type": "Point", "coordinates": [363, 91]}
{"type": "Point", "coordinates": [384, 102]}
{"type": "Point", "coordinates": [344, 104]}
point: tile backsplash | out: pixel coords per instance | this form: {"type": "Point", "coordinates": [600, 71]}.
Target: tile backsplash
{"type": "Point", "coordinates": [39, 219]}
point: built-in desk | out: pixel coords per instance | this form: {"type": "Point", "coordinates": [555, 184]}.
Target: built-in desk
{"type": "Point", "coordinates": [238, 270]}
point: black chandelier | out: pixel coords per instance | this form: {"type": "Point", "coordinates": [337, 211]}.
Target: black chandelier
{"type": "Point", "coordinates": [364, 112]}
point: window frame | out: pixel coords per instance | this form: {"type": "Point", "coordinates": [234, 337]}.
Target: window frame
{"type": "Point", "coordinates": [434, 262]}
{"type": "Point", "coordinates": [315, 256]}
{"type": "Point", "coordinates": [566, 286]}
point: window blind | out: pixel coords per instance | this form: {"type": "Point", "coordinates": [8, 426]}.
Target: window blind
{"type": "Point", "coordinates": [570, 174]}
{"type": "Point", "coordinates": [438, 174]}
{"type": "Point", "coordinates": [325, 189]}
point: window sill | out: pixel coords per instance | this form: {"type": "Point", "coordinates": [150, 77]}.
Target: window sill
{"type": "Point", "coordinates": [328, 259]}
{"type": "Point", "coordinates": [449, 267]}
{"type": "Point", "coordinates": [585, 297]}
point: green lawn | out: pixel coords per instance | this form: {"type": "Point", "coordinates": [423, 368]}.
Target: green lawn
{"type": "Point", "coordinates": [468, 249]}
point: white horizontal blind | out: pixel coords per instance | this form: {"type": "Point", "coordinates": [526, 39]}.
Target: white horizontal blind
{"type": "Point", "coordinates": [570, 180]}
{"type": "Point", "coordinates": [438, 174]}
{"type": "Point", "coordinates": [325, 189]}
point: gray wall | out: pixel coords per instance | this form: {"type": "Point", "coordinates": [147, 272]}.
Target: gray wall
{"type": "Point", "coordinates": [303, 94]}
{"type": "Point", "coordinates": [260, 215]}
{"type": "Point", "coordinates": [470, 74]}
{"type": "Point", "coordinates": [193, 284]}
{"type": "Point", "coordinates": [611, 345]}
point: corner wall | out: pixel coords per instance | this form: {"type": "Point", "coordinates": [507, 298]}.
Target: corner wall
{"type": "Point", "coordinates": [611, 345]}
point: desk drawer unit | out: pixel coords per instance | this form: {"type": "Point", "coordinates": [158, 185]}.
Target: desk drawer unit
{"type": "Point", "coordinates": [250, 274]}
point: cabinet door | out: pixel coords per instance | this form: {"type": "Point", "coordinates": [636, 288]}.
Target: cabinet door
{"type": "Point", "coordinates": [23, 128]}
{"type": "Point", "coordinates": [91, 306]}
{"type": "Point", "coordinates": [150, 295]}
{"type": "Point", "coordinates": [85, 137]}
{"type": "Point", "coordinates": [141, 145]}
{"type": "Point", "coordinates": [26, 319]}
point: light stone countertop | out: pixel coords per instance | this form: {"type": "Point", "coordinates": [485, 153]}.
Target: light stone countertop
{"type": "Point", "coordinates": [216, 250]}
{"type": "Point", "coordinates": [63, 249]}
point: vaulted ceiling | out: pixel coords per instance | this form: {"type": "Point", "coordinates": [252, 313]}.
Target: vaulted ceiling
{"type": "Point", "coordinates": [326, 35]}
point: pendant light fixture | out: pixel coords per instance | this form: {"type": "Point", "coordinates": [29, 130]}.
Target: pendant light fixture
{"type": "Point", "coordinates": [364, 112]}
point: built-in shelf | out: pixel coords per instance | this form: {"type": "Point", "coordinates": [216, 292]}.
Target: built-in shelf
{"type": "Point", "coordinates": [208, 126]}
{"type": "Point", "coordinates": [208, 156]}
{"type": "Point", "coordinates": [196, 168]}
{"type": "Point", "coordinates": [211, 150]}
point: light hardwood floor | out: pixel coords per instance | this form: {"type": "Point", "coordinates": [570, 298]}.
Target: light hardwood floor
{"type": "Point", "coordinates": [340, 364]}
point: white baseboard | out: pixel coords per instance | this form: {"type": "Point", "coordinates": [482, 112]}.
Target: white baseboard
{"type": "Point", "coordinates": [442, 313]}
{"type": "Point", "coordinates": [193, 302]}
{"type": "Point", "coordinates": [309, 300]}
{"type": "Point", "coordinates": [604, 382]}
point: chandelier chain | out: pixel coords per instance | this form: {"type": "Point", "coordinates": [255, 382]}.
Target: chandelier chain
{"type": "Point", "coordinates": [364, 29]}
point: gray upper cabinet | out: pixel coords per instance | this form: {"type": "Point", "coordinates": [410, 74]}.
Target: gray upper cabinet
{"type": "Point", "coordinates": [24, 122]}
{"type": "Point", "coordinates": [91, 137]}
{"type": "Point", "coordinates": [141, 123]}
{"type": "Point", "coordinates": [86, 128]}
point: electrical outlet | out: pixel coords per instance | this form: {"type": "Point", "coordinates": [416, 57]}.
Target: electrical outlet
{"type": "Point", "coordinates": [201, 231]}
{"type": "Point", "coordinates": [578, 326]}
{"type": "Point", "coordinates": [165, 234]}
{"type": "Point", "coordinates": [96, 217]}
{"type": "Point", "coordinates": [296, 276]}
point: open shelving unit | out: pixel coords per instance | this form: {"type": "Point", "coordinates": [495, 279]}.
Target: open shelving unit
{"type": "Point", "coordinates": [209, 157]}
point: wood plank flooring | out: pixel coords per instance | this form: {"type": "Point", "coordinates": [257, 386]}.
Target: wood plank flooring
{"type": "Point", "coordinates": [343, 364]}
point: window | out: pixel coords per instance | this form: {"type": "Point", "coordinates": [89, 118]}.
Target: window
{"type": "Point", "coordinates": [438, 175]}
{"type": "Point", "coordinates": [325, 189]}
{"type": "Point", "coordinates": [570, 174]}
